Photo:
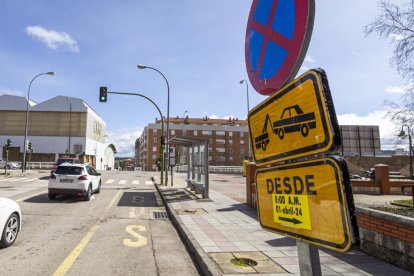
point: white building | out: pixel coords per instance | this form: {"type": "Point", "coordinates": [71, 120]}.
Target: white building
{"type": "Point", "coordinates": [59, 126]}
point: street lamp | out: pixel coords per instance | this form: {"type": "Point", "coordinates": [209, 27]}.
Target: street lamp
{"type": "Point", "coordinates": [402, 133]}
{"type": "Point", "coordinates": [248, 109]}
{"type": "Point", "coordinates": [141, 66]}
{"type": "Point", "coordinates": [70, 121]}
{"type": "Point", "coordinates": [185, 112]}
{"type": "Point", "coordinates": [27, 119]}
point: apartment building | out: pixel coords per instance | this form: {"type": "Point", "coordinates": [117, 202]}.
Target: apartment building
{"type": "Point", "coordinates": [228, 140]}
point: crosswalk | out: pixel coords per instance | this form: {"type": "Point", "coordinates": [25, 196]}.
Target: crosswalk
{"type": "Point", "coordinates": [20, 179]}
{"type": "Point", "coordinates": [125, 182]}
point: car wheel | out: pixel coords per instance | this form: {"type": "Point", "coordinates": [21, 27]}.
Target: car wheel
{"type": "Point", "coordinates": [10, 231]}
{"type": "Point", "coordinates": [99, 188]}
{"type": "Point", "coordinates": [87, 197]}
{"type": "Point", "coordinates": [281, 133]}
{"type": "Point", "coordinates": [304, 129]}
{"type": "Point", "coordinates": [51, 196]}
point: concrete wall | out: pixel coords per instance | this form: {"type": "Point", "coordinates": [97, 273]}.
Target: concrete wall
{"type": "Point", "coordinates": [360, 164]}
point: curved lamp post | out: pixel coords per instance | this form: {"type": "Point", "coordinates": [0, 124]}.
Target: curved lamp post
{"type": "Point", "coordinates": [27, 119]}
{"type": "Point", "coordinates": [402, 133]}
{"type": "Point", "coordinates": [248, 109]}
{"type": "Point", "coordinates": [141, 66]}
{"type": "Point", "coordinates": [70, 122]}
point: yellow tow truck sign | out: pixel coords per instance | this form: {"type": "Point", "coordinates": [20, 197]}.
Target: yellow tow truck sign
{"type": "Point", "coordinates": [307, 201]}
{"type": "Point", "coordinates": [296, 121]}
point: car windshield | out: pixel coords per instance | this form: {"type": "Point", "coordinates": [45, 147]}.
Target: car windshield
{"type": "Point", "coordinates": [69, 170]}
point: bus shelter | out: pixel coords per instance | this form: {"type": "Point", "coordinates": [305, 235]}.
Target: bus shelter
{"type": "Point", "coordinates": [197, 163]}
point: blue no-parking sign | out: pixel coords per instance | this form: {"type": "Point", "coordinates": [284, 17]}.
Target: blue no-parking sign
{"type": "Point", "coordinates": [277, 38]}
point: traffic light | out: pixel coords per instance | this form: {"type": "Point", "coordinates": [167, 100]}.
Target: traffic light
{"type": "Point", "coordinates": [8, 144]}
{"type": "Point", "coordinates": [29, 145]}
{"type": "Point", "coordinates": [103, 94]}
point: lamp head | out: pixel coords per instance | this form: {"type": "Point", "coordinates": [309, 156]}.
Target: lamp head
{"type": "Point", "coordinates": [242, 81]}
{"type": "Point", "coordinates": [50, 73]}
{"type": "Point", "coordinates": [141, 66]}
{"type": "Point", "coordinates": [402, 133]}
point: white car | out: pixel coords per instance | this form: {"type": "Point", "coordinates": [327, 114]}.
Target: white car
{"type": "Point", "coordinates": [74, 179]}
{"type": "Point", "coordinates": [10, 164]}
{"type": "Point", "coordinates": [10, 221]}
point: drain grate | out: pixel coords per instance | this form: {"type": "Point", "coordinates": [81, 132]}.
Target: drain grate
{"type": "Point", "coordinates": [159, 215]}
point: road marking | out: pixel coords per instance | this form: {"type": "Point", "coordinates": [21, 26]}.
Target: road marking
{"type": "Point", "coordinates": [142, 211]}
{"type": "Point", "coordinates": [149, 182]}
{"type": "Point", "coordinates": [135, 182]}
{"type": "Point", "coordinates": [6, 179]}
{"type": "Point", "coordinates": [109, 181]}
{"type": "Point", "coordinates": [68, 262]}
{"type": "Point", "coordinates": [132, 213]}
{"type": "Point", "coordinates": [31, 179]}
{"type": "Point", "coordinates": [18, 179]}
{"type": "Point", "coordinates": [24, 198]}
{"type": "Point", "coordinates": [141, 241]}
{"type": "Point", "coordinates": [122, 182]}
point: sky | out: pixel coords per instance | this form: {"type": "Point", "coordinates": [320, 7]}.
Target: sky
{"type": "Point", "coordinates": [198, 45]}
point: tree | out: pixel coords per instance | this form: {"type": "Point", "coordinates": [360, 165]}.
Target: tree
{"type": "Point", "coordinates": [396, 23]}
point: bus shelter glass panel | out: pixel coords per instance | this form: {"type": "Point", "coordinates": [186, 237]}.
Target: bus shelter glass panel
{"type": "Point", "coordinates": [197, 163]}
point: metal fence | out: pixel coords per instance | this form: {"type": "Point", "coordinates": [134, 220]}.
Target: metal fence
{"type": "Point", "coordinates": [40, 165]}
{"type": "Point", "coordinates": [215, 169]}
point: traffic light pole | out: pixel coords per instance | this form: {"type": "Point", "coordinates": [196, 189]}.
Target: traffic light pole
{"type": "Point", "coordinates": [162, 125]}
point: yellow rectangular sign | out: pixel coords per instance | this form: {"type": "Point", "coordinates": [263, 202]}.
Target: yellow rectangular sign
{"type": "Point", "coordinates": [296, 121]}
{"type": "Point", "coordinates": [306, 201]}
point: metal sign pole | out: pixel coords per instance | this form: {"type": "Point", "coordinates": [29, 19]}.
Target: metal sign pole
{"type": "Point", "coordinates": [308, 256]}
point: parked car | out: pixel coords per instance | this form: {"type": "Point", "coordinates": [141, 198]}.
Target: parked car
{"type": "Point", "coordinates": [11, 165]}
{"type": "Point", "coordinates": [10, 221]}
{"type": "Point", "coordinates": [74, 179]}
{"type": "Point", "coordinates": [71, 160]}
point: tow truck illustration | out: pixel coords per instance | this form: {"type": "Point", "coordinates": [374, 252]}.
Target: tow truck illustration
{"type": "Point", "coordinates": [292, 120]}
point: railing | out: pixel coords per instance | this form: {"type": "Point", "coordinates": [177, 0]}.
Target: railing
{"type": "Point", "coordinates": [215, 169]}
{"type": "Point", "coordinates": [40, 165]}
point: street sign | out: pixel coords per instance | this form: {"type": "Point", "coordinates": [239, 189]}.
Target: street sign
{"type": "Point", "coordinates": [277, 38]}
{"type": "Point", "coordinates": [296, 121]}
{"type": "Point", "coordinates": [307, 201]}
{"type": "Point", "coordinates": [172, 154]}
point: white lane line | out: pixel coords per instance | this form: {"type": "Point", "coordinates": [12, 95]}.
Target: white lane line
{"type": "Point", "coordinates": [18, 179]}
{"type": "Point", "coordinates": [149, 182]}
{"type": "Point", "coordinates": [135, 182]}
{"type": "Point", "coordinates": [109, 181]}
{"type": "Point", "coordinates": [31, 179]}
{"type": "Point", "coordinates": [24, 198]}
{"type": "Point", "coordinates": [122, 182]}
{"type": "Point", "coordinates": [7, 179]}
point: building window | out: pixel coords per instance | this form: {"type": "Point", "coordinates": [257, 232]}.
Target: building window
{"type": "Point", "coordinates": [206, 132]}
{"type": "Point", "coordinates": [210, 158]}
{"type": "Point", "coordinates": [184, 132]}
{"type": "Point", "coordinates": [231, 142]}
{"type": "Point", "coordinates": [220, 141]}
{"type": "Point", "coordinates": [220, 158]}
{"type": "Point", "coordinates": [231, 158]}
{"type": "Point", "coordinates": [231, 150]}
{"type": "Point", "coordinates": [242, 151]}
{"type": "Point", "coordinates": [172, 132]}
{"type": "Point", "coordinates": [154, 157]}
{"type": "Point", "coordinates": [241, 134]}
{"type": "Point", "coordinates": [154, 149]}
{"type": "Point", "coordinates": [220, 149]}
{"type": "Point", "coordinates": [220, 132]}
{"type": "Point", "coordinates": [241, 142]}
{"type": "Point", "coordinates": [195, 132]}
{"type": "Point", "coordinates": [230, 133]}
{"type": "Point", "coordinates": [154, 131]}
{"type": "Point", "coordinates": [154, 140]}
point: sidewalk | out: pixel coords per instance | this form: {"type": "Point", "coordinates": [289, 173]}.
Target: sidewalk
{"type": "Point", "coordinates": [219, 229]}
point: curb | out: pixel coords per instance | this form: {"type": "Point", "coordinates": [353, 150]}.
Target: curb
{"type": "Point", "coordinates": [203, 262]}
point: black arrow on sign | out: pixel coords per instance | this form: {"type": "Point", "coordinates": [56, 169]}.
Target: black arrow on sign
{"type": "Point", "coordinates": [293, 220]}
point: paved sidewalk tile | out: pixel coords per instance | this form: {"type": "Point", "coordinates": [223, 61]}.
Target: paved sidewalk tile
{"type": "Point", "coordinates": [229, 226]}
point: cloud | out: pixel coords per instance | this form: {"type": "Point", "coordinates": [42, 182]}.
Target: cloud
{"type": "Point", "coordinates": [53, 39]}
{"type": "Point", "coordinates": [355, 53]}
{"type": "Point", "coordinates": [399, 89]}
{"type": "Point", "coordinates": [124, 140]}
{"type": "Point", "coordinates": [387, 127]}
{"type": "Point", "coordinates": [214, 116]}
{"type": "Point", "coordinates": [12, 92]}
{"type": "Point", "coordinates": [309, 59]}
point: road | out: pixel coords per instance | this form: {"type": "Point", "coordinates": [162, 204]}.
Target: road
{"type": "Point", "coordinates": [116, 233]}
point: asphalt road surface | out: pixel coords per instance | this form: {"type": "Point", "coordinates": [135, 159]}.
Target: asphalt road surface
{"type": "Point", "coordinates": [121, 231]}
